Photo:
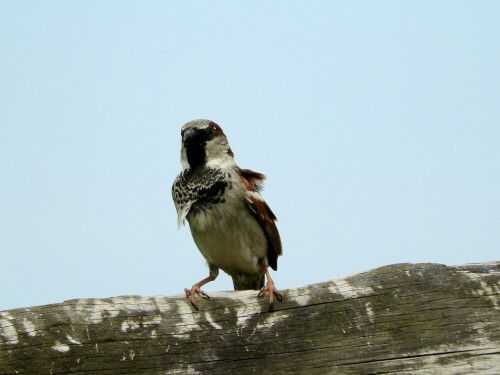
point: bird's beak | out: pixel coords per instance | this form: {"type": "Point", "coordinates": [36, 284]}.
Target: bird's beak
{"type": "Point", "coordinates": [189, 135]}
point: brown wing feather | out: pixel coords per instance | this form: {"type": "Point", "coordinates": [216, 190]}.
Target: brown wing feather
{"type": "Point", "coordinates": [266, 219]}
{"type": "Point", "coordinates": [255, 178]}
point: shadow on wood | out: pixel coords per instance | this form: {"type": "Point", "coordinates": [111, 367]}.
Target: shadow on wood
{"type": "Point", "coordinates": [413, 318]}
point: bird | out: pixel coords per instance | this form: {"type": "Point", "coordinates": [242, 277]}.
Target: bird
{"type": "Point", "coordinates": [231, 224]}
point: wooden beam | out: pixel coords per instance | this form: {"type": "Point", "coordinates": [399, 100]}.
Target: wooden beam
{"type": "Point", "coordinates": [410, 318]}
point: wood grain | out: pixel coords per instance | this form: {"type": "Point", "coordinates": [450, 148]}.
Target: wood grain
{"type": "Point", "coordinates": [404, 318]}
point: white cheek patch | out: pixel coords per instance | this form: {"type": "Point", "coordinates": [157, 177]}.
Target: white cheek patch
{"type": "Point", "coordinates": [217, 154]}
{"type": "Point", "coordinates": [184, 161]}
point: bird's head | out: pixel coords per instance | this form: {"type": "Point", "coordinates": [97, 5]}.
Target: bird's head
{"type": "Point", "coordinates": [204, 144]}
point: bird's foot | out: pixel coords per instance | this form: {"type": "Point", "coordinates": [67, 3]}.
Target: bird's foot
{"type": "Point", "coordinates": [191, 294]}
{"type": "Point", "coordinates": [271, 291]}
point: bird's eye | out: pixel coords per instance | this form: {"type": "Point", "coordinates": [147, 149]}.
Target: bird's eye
{"type": "Point", "coordinates": [210, 131]}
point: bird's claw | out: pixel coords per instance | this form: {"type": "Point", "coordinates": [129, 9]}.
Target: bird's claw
{"type": "Point", "coordinates": [191, 294]}
{"type": "Point", "coordinates": [272, 292]}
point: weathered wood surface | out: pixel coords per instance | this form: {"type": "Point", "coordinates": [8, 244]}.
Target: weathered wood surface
{"type": "Point", "coordinates": [406, 318]}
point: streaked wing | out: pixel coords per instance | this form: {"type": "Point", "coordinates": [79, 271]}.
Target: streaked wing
{"type": "Point", "coordinates": [263, 214]}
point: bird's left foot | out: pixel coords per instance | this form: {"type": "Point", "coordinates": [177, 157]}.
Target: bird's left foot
{"type": "Point", "coordinates": [272, 292]}
{"type": "Point", "coordinates": [191, 294]}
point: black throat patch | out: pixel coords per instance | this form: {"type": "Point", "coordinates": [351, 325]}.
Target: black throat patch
{"type": "Point", "coordinates": [196, 154]}
{"type": "Point", "coordinates": [196, 143]}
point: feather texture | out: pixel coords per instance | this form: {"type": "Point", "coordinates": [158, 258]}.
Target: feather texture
{"type": "Point", "coordinates": [231, 224]}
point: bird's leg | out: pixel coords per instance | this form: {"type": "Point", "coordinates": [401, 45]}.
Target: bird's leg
{"type": "Point", "coordinates": [270, 290]}
{"type": "Point", "coordinates": [196, 288]}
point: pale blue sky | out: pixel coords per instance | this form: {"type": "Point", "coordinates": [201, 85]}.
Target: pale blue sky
{"type": "Point", "coordinates": [377, 124]}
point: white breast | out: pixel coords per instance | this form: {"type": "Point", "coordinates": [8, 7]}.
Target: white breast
{"type": "Point", "coordinates": [229, 236]}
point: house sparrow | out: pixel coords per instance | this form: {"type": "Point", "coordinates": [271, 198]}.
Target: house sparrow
{"type": "Point", "coordinates": [231, 224]}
